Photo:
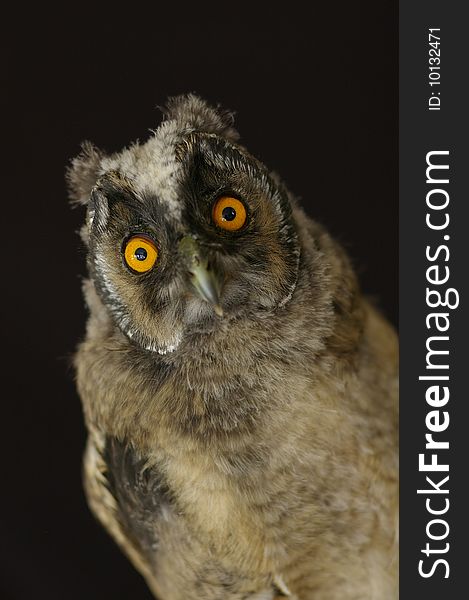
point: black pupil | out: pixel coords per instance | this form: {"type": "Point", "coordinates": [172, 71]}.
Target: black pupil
{"type": "Point", "coordinates": [228, 213]}
{"type": "Point", "coordinates": [140, 254]}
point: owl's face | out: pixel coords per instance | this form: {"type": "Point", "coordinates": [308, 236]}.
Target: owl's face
{"type": "Point", "coordinates": [187, 232]}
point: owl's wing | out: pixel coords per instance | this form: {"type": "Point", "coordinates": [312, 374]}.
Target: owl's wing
{"type": "Point", "coordinates": [125, 498]}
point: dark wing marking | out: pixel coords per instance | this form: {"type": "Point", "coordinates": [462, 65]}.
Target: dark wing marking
{"type": "Point", "coordinates": [141, 494]}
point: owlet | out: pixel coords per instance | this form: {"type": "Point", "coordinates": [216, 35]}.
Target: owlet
{"type": "Point", "coordinates": [239, 391]}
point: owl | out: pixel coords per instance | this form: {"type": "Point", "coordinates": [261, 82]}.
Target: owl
{"type": "Point", "coordinates": [239, 391]}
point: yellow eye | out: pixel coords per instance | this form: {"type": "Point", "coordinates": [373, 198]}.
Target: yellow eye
{"type": "Point", "coordinates": [140, 253]}
{"type": "Point", "coordinates": [229, 213]}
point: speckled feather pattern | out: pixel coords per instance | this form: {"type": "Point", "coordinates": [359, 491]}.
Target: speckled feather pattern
{"type": "Point", "coordinates": [250, 456]}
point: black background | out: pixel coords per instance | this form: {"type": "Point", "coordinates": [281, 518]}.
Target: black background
{"type": "Point", "coordinates": [316, 99]}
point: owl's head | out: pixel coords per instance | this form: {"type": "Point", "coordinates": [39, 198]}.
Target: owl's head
{"type": "Point", "coordinates": [186, 231]}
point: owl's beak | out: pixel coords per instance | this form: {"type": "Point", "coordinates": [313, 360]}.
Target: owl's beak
{"type": "Point", "coordinates": [203, 279]}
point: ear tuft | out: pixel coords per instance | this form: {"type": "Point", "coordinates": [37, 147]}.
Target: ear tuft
{"type": "Point", "coordinates": [194, 114]}
{"type": "Point", "coordinates": [83, 172]}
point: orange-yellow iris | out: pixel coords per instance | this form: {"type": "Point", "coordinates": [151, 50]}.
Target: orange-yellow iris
{"type": "Point", "coordinates": [229, 213]}
{"type": "Point", "coordinates": [140, 254]}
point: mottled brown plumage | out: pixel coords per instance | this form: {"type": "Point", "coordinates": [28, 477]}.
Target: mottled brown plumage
{"type": "Point", "coordinates": [243, 456]}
